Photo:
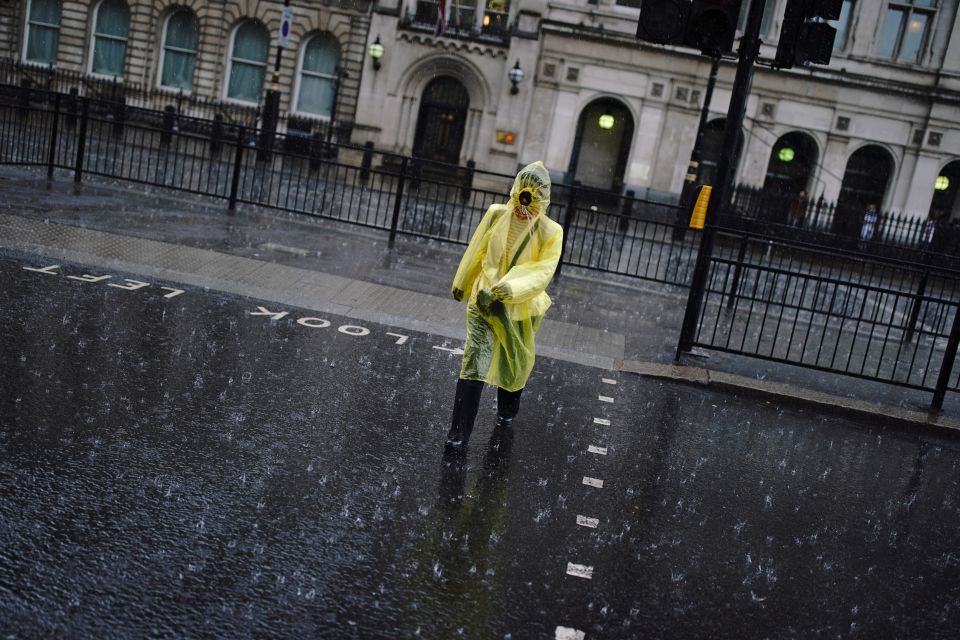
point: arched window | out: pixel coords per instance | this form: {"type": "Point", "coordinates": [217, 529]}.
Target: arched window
{"type": "Point", "coordinates": [43, 31]}
{"type": "Point", "coordinates": [111, 24]}
{"type": "Point", "coordinates": [179, 54]}
{"type": "Point", "coordinates": [248, 62]}
{"type": "Point", "coordinates": [318, 75]}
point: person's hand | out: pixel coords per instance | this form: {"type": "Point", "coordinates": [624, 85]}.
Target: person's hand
{"type": "Point", "coordinates": [501, 291]}
{"type": "Point", "coordinates": [457, 294]}
{"type": "Point", "coordinates": [484, 300]}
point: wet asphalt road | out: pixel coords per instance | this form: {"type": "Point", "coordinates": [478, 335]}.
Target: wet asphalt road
{"type": "Point", "coordinates": [177, 467]}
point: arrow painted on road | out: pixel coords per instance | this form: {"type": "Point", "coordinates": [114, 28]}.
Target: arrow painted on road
{"type": "Point", "coordinates": [274, 315]}
{"type": "Point", "coordinates": [457, 352]}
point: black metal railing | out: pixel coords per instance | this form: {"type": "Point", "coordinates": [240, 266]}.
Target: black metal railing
{"type": "Point", "coordinates": [829, 308]}
{"type": "Point", "coordinates": [890, 322]}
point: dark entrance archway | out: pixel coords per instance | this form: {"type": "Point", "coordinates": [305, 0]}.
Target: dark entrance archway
{"type": "Point", "coordinates": [865, 183]}
{"type": "Point", "coordinates": [602, 144]}
{"type": "Point", "coordinates": [791, 164]}
{"type": "Point", "coordinates": [946, 193]}
{"type": "Point", "coordinates": [441, 121]}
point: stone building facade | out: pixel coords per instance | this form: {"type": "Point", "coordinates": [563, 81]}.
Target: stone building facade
{"type": "Point", "coordinates": [214, 50]}
{"type": "Point", "coordinates": [880, 124]}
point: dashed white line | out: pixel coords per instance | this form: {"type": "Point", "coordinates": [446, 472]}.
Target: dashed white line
{"type": "Point", "coordinates": [568, 633]}
{"type": "Point", "coordinates": [608, 381]}
{"type": "Point", "coordinates": [593, 482]}
{"type": "Point", "coordinates": [601, 421]}
{"type": "Point", "coordinates": [598, 450]}
{"type": "Point", "coordinates": [604, 398]}
{"type": "Point", "coordinates": [584, 521]}
{"type": "Point", "coordinates": [580, 570]}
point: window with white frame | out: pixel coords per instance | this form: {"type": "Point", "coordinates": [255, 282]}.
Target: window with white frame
{"type": "Point", "coordinates": [248, 62]}
{"type": "Point", "coordinates": [842, 25]}
{"type": "Point", "coordinates": [317, 75]}
{"type": "Point", "coordinates": [906, 27]}
{"type": "Point", "coordinates": [178, 57]}
{"type": "Point", "coordinates": [43, 31]}
{"type": "Point", "coordinates": [111, 26]}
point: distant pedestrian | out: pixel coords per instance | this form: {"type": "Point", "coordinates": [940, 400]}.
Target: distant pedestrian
{"type": "Point", "coordinates": [503, 275]}
{"type": "Point", "coordinates": [869, 225]}
{"type": "Point", "coordinates": [797, 208]}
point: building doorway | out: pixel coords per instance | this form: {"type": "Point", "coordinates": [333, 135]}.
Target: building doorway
{"type": "Point", "coordinates": [792, 160]}
{"type": "Point", "coordinates": [441, 121]}
{"type": "Point", "coordinates": [865, 183]}
{"type": "Point", "coordinates": [601, 145]}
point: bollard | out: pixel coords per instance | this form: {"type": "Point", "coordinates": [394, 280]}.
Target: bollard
{"type": "Point", "coordinates": [237, 162]}
{"type": "Point", "coordinates": [216, 135]}
{"type": "Point", "coordinates": [81, 141]}
{"type": "Point", "coordinates": [468, 181]}
{"type": "Point", "coordinates": [169, 124]}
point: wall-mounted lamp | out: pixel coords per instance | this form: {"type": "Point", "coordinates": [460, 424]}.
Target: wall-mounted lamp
{"type": "Point", "coordinates": [606, 121]}
{"type": "Point", "coordinates": [786, 154]}
{"type": "Point", "coordinates": [516, 77]}
{"type": "Point", "coordinates": [942, 183]}
{"type": "Point", "coordinates": [376, 52]}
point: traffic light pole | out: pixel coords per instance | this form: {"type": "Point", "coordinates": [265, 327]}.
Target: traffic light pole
{"type": "Point", "coordinates": [726, 167]}
{"type": "Point", "coordinates": [693, 168]}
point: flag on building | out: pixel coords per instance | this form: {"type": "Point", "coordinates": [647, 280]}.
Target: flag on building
{"type": "Point", "coordinates": [441, 17]}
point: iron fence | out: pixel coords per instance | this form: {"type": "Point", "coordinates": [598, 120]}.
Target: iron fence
{"type": "Point", "coordinates": [766, 296]}
{"type": "Point", "coordinates": [894, 323]}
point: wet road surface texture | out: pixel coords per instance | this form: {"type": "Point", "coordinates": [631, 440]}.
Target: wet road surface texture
{"type": "Point", "coordinates": [195, 464]}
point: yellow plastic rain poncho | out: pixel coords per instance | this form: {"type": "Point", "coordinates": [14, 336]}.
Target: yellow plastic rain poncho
{"type": "Point", "coordinates": [503, 274]}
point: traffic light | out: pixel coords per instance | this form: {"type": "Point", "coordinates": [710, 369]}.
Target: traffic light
{"type": "Point", "coordinates": [707, 25]}
{"type": "Point", "coordinates": [805, 38]}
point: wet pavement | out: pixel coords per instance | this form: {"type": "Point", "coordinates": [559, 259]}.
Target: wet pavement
{"type": "Point", "coordinates": [181, 464]}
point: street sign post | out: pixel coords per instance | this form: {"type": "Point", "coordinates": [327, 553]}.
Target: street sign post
{"type": "Point", "coordinates": [286, 24]}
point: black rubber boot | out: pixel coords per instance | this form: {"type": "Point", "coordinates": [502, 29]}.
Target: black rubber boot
{"type": "Point", "coordinates": [508, 406]}
{"type": "Point", "coordinates": [465, 405]}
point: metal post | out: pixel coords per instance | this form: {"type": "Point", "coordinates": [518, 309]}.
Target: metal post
{"type": "Point", "coordinates": [946, 368]}
{"type": "Point", "coordinates": [81, 141]}
{"type": "Point", "coordinates": [468, 180]}
{"type": "Point", "coordinates": [367, 161]}
{"type": "Point", "coordinates": [339, 74]}
{"type": "Point", "coordinates": [692, 178]}
{"type": "Point", "coordinates": [237, 163]}
{"type": "Point", "coordinates": [271, 107]}
{"type": "Point", "coordinates": [567, 223]}
{"type": "Point", "coordinates": [738, 270]}
{"type": "Point", "coordinates": [749, 49]}
{"type": "Point", "coordinates": [917, 303]}
{"type": "Point", "coordinates": [397, 199]}
{"type": "Point", "coordinates": [54, 132]}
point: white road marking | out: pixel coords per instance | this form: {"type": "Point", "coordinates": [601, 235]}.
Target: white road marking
{"type": "Point", "coordinates": [353, 330]}
{"type": "Point", "coordinates": [602, 421]}
{"type": "Point", "coordinates": [133, 286]}
{"type": "Point", "coordinates": [399, 336]}
{"type": "Point", "coordinates": [593, 482]}
{"type": "Point", "coordinates": [285, 248]}
{"type": "Point", "coordinates": [314, 323]}
{"type": "Point", "coordinates": [46, 270]}
{"type": "Point", "coordinates": [567, 633]}
{"type": "Point", "coordinates": [598, 450]}
{"type": "Point", "coordinates": [608, 381]}
{"type": "Point", "coordinates": [604, 398]}
{"type": "Point", "coordinates": [173, 292]}
{"type": "Point", "coordinates": [584, 521]}
{"type": "Point", "coordinates": [579, 570]}
{"type": "Point", "coordinates": [89, 278]}
{"type": "Point", "coordinates": [274, 315]}
{"type": "Point", "coordinates": [456, 352]}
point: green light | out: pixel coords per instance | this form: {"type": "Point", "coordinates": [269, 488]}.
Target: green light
{"type": "Point", "coordinates": [942, 183]}
{"type": "Point", "coordinates": [606, 121]}
{"type": "Point", "coordinates": [786, 154]}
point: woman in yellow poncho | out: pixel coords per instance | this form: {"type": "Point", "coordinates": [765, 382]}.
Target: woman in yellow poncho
{"type": "Point", "coordinates": [503, 275]}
